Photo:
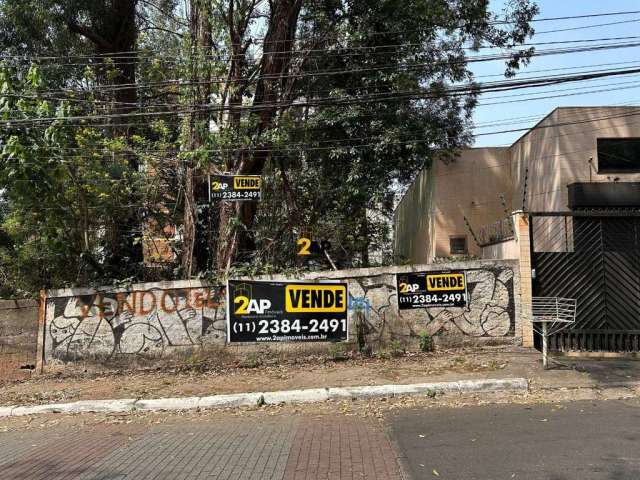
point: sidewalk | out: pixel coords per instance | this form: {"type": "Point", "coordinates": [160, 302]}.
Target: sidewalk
{"type": "Point", "coordinates": [264, 374]}
{"type": "Point", "coordinates": [338, 440]}
{"type": "Point", "coordinates": [289, 447]}
{"type": "Point", "coordinates": [413, 368]}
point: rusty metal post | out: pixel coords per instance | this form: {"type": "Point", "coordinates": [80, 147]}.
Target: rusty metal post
{"type": "Point", "coordinates": [41, 332]}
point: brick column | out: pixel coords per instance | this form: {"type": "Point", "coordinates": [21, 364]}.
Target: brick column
{"type": "Point", "coordinates": [521, 222]}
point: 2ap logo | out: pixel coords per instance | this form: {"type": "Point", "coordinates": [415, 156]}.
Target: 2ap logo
{"type": "Point", "coordinates": [245, 305]}
{"type": "Point", "coordinates": [406, 287]}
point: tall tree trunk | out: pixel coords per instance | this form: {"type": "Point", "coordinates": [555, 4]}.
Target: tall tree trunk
{"type": "Point", "coordinates": [235, 230]}
{"type": "Point", "coordinates": [115, 38]}
{"type": "Point", "coordinates": [200, 34]}
{"type": "Point", "coordinates": [113, 31]}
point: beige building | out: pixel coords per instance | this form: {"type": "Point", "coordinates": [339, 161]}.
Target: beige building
{"type": "Point", "coordinates": [465, 207]}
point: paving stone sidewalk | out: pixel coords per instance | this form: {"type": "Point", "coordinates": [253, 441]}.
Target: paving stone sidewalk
{"type": "Point", "coordinates": [278, 448]}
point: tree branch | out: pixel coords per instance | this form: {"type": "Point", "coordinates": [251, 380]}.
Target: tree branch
{"type": "Point", "coordinates": [89, 34]}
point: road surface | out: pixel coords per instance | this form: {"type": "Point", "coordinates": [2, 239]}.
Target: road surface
{"type": "Point", "coordinates": [579, 440]}
{"type": "Point", "coordinates": [570, 441]}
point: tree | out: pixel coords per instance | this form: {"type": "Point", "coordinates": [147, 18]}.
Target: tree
{"type": "Point", "coordinates": [72, 193]}
{"type": "Point", "coordinates": [67, 215]}
{"type": "Point", "coordinates": [355, 81]}
{"type": "Point", "coordinates": [335, 103]}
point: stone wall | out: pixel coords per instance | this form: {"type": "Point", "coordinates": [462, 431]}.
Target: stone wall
{"type": "Point", "coordinates": [161, 319]}
{"type": "Point", "coordinates": [18, 338]}
{"type": "Point", "coordinates": [492, 311]}
{"type": "Point", "coordinates": [151, 320]}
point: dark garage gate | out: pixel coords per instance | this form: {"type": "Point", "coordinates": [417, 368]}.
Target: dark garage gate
{"type": "Point", "coordinates": [594, 257]}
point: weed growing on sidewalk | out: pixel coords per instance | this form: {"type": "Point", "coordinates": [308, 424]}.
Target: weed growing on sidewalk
{"type": "Point", "coordinates": [426, 342]}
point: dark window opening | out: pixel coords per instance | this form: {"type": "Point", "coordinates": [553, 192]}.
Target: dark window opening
{"type": "Point", "coordinates": [619, 155]}
{"type": "Point", "coordinates": [458, 245]}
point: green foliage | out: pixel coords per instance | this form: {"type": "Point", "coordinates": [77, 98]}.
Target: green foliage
{"type": "Point", "coordinates": [68, 194]}
{"type": "Point", "coordinates": [337, 351]}
{"type": "Point", "coordinates": [391, 349]}
{"type": "Point", "coordinates": [426, 342]}
{"type": "Point", "coordinates": [395, 348]}
{"type": "Point", "coordinates": [361, 154]}
{"type": "Point", "coordinates": [82, 192]}
{"type": "Point", "coordinates": [431, 393]}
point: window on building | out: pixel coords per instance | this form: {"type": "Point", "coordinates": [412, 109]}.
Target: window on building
{"type": "Point", "coordinates": [619, 155]}
{"type": "Point", "coordinates": [458, 245]}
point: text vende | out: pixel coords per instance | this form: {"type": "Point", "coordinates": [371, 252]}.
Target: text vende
{"type": "Point", "coordinates": [315, 298]}
{"type": "Point", "coordinates": [246, 183]}
{"type": "Point", "coordinates": [453, 281]}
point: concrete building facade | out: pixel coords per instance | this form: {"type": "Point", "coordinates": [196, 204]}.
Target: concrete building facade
{"type": "Point", "coordinates": [465, 207]}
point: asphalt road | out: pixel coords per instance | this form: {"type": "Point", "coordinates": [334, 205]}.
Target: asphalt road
{"type": "Point", "coordinates": [579, 440]}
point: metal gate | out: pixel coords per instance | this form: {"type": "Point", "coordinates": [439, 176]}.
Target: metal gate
{"type": "Point", "coordinates": [593, 257]}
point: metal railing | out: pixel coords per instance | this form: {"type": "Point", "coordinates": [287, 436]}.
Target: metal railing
{"type": "Point", "coordinates": [550, 315]}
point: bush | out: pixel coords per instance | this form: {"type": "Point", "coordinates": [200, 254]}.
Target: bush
{"type": "Point", "coordinates": [395, 348]}
{"type": "Point", "coordinates": [426, 342]}
{"type": "Point", "coordinates": [337, 352]}
{"type": "Point", "coordinates": [382, 354]}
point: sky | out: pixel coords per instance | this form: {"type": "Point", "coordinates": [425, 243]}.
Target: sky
{"type": "Point", "coordinates": [622, 90]}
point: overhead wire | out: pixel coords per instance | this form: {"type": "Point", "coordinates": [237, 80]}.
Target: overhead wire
{"type": "Point", "coordinates": [402, 92]}
{"type": "Point", "coordinates": [496, 21]}
{"type": "Point", "coordinates": [553, 125]}
{"type": "Point", "coordinates": [384, 67]}
{"type": "Point", "coordinates": [137, 59]}
{"type": "Point", "coordinates": [302, 147]}
{"type": "Point", "coordinates": [455, 90]}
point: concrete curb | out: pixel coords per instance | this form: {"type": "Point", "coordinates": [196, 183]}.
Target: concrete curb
{"type": "Point", "coordinates": [270, 398]}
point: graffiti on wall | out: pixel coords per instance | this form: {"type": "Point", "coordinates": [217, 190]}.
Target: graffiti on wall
{"type": "Point", "coordinates": [146, 322]}
{"type": "Point", "coordinates": [153, 322]}
{"type": "Point", "coordinates": [491, 309]}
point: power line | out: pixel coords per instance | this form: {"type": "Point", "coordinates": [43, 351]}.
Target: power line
{"type": "Point", "coordinates": [271, 150]}
{"type": "Point", "coordinates": [481, 104]}
{"type": "Point", "coordinates": [329, 51]}
{"type": "Point", "coordinates": [42, 96]}
{"type": "Point", "coordinates": [378, 143]}
{"type": "Point", "coordinates": [637, 85]}
{"type": "Point", "coordinates": [42, 93]}
{"type": "Point", "coordinates": [348, 100]}
{"type": "Point", "coordinates": [154, 202]}
{"type": "Point", "coordinates": [388, 67]}
{"type": "Point", "coordinates": [256, 39]}
{"type": "Point", "coordinates": [589, 15]}
{"type": "Point", "coordinates": [583, 27]}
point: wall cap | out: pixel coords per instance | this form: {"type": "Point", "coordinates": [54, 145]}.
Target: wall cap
{"type": "Point", "coordinates": [321, 275]}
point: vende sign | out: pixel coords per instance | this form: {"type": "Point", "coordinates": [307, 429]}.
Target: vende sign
{"type": "Point", "coordinates": [286, 311]}
{"type": "Point", "coordinates": [432, 289]}
{"type": "Point", "coordinates": [235, 188]}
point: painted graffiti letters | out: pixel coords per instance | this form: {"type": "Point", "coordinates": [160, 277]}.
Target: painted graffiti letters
{"type": "Point", "coordinates": [142, 322]}
{"type": "Point", "coordinates": [163, 318]}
